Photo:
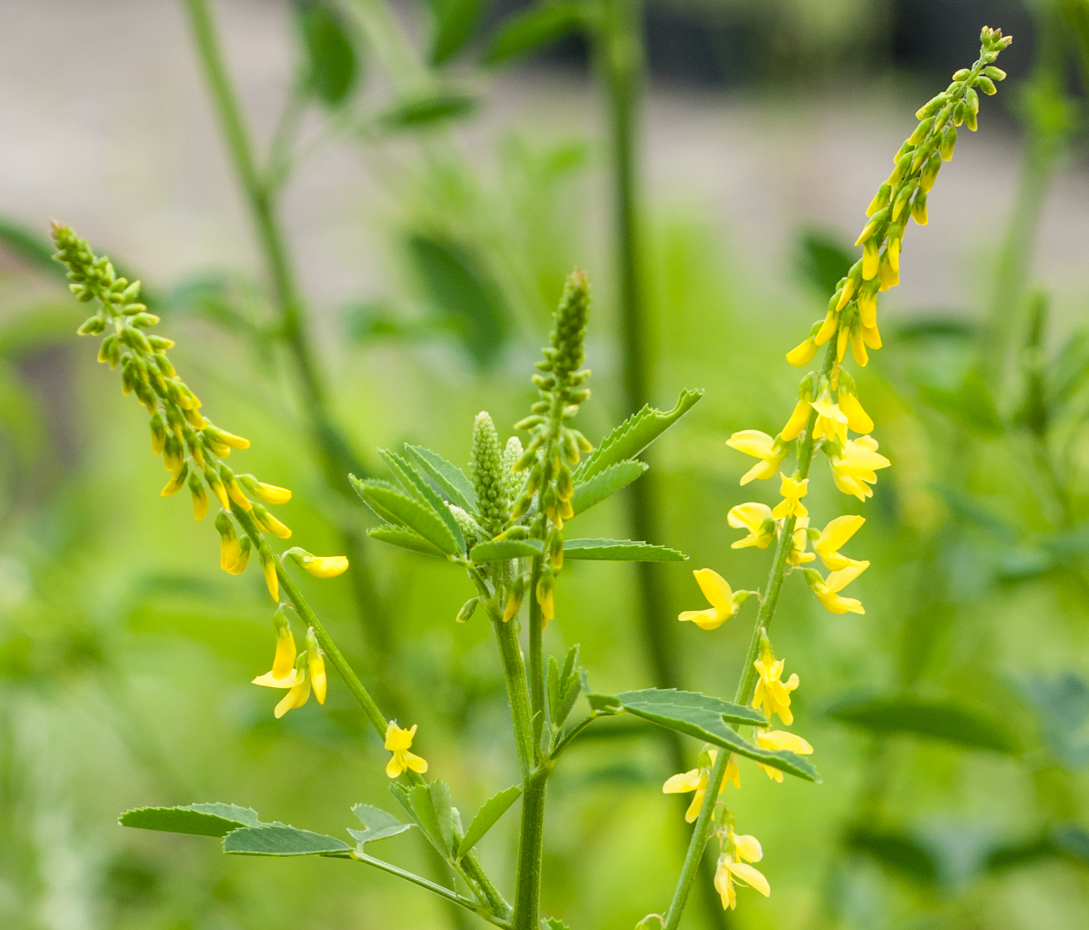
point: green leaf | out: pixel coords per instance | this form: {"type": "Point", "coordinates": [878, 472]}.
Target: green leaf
{"type": "Point", "coordinates": [378, 824]}
{"type": "Point", "coordinates": [404, 539]}
{"type": "Point", "coordinates": [619, 550]}
{"type": "Point", "coordinates": [605, 484]}
{"type": "Point", "coordinates": [564, 686]}
{"type": "Point", "coordinates": [554, 923]}
{"type": "Point", "coordinates": [422, 491]}
{"type": "Point", "coordinates": [330, 56]}
{"type": "Point", "coordinates": [971, 404]}
{"type": "Point", "coordinates": [409, 512]}
{"type": "Point", "coordinates": [824, 258]}
{"type": "Point", "coordinates": [455, 23]}
{"type": "Point", "coordinates": [897, 851]}
{"type": "Point", "coordinates": [942, 719]}
{"type": "Point", "coordinates": [490, 812]}
{"type": "Point", "coordinates": [282, 840]}
{"type": "Point", "coordinates": [528, 31]}
{"type": "Point", "coordinates": [705, 718]}
{"type": "Point", "coordinates": [420, 806]}
{"type": "Point", "coordinates": [449, 478]}
{"type": "Point", "coordinates": [459, 290]}
{"type": "Point", "coordinates": [195, 819]}
{"type": "Point", "coordinates": [423, 112]}
{"type": "Point", "coordinates": [502, 550]}
{"type": "Point", "coordinates": [633, 435]}
{"type": "Point", "coordinates": [444, 812]}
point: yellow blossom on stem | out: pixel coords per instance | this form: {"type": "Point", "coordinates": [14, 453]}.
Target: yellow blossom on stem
{"type": "Point", "coordinates": [800, 538]}
{"type": "Point", "coordinates": [722, 598]}
{"type": "Point", "coordinates": [315, 666]}
{"type": "Point", "coordinates": [856, 417]}
{"type": "Point", "coordinates": [399, 742]}
{"type": "Point", "coordinates": [730, 870]}
{"type": "Point", "coordinates": [780, 740]}
{"type": "Point", "coordinates": [854, 469]}
{"type": "Point", "coordinates": [792, 491]}
{"type": "Point", "coordinates": [320, 566]}
{"type": "Point", "coordinates": [835, 535]}
{"type": "Point", "coordinates": [770, 451]}
{"type": "Point", "coordinates": [757, 519]}
{"type": "Point", "coordinates": [697, 780]}
{"type": "Point", "coordinates": [747, 847]}
{"type": "Point", "coordinates": [798, 419]}
{"type": "Point", "coordinates": [773, 695]}
{"type": "Point", "coordinates": [283, 673]}
{"type": "Point", "coordinates": [831, 421]}
{"type": "Point", "coordinates": [803, 353]}
{"type": "Point", "coordinates": [827, 589]}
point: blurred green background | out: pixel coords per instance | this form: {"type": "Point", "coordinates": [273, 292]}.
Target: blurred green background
{"type": "Point", "coordinates": [431, 244]}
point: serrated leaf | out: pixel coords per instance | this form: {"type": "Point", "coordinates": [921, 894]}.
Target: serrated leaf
{"type": "Point", "coordinates": [934, 718]}
{"type": "Point", "coordinates": [331, 58]}
{"type": "Point", "coordinates": [501, 550]}
{"type": "Point", "coordinates": [195, 819]}
{"type": "Point", "coordinates": [633, 435]}
{"type": "Point", "coordinates": [282, 840]}
{"type": "Point", "coordinates": [524, 32]}
{"type": "Point", "coordinates": [619, 550]}
{"type": "Point", "coordinates": [444, 813]}
{"type": "Point", "coordinates": [554, 923]}
{"type": "Point", "coordinates": [489, 813]}
{"type": "Point", "coordinates": [605, 484]}
{"type": "Point", "coordinates": [448, 477]}
{"type": "Point", "coordinates": [410, 512]}
{"type": "Point", "coordinates": [706, 717]}
{"type": "Point", "coordinates": [422, 112]}
{"type": "Point", "coordinates": [419, 805]}
{"type": "Point", "coordinates": [564, 686]}
{"type": "Point", "coordinates": [378, 824]}
{"type": "Point", "coordinates": [404, 538]}
{"type": "Point", "coordinates": [415, 484]}
{"type": "Point", "coordinates": [897, 851]}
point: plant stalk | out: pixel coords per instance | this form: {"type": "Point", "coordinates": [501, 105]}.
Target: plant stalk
{"type": "Point", "coordinates": [527, 898]}
{"type": "Point", "coordinates": [746, 686]}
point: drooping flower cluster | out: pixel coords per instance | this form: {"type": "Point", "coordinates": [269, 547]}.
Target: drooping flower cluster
{"type": "Point", "coordinates": [194, 451]}
{"type": "Point", "coordinates": [826, 414]}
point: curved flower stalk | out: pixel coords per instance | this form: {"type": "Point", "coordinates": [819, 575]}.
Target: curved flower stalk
{"type": "Point", "coordinates": [827, 412]}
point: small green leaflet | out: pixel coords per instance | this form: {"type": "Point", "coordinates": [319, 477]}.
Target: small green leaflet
{"type": "Point", "coordinates": [705, 717]}
{"type": "Point", "coordinates": [633, 435]}
{"type": "Point", "coordinates": [525, 32]}
{"type": "Point", "coordinates": [501, 550]}
{"type": "Point", "coordinates": [605, 484]}
{"type": "Point", "coordinates": [415, 485]}
{"type": "Point", "coordinates": [935, 718]}
{"type": "Point", "coordinates": [451, 479]}
{"type": "Point", "coordinates": [194, 819]}
{"type": "Point", "coordinates": [377, 823]}
{"type": "Point", "coordinates": [490, 812]}
{"type": "Point", "coordinates": [554, 923]}
{"type": "Point", "coordinates": [331, 64]}
{"type": "Point", "coordinates": [455, 23]}
{"type": "Point", "coordinates": [429, 808]}
{"type": "Point", "coordinates": [410, 512]}
{"type": "Point", "coordinates": [619, 550]}
{"type": "Point", "coordinates": [281, 840]}
{"type": "Point", "coordinates": [405, 539]}
{"type": "Point", "coordinates": [424, 111]}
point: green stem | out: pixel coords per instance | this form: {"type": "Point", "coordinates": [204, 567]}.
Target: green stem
{"type": "Point", "coordinates": [514, 672]}
{"type": "Point", "coordinates": [536, 659]}
{"type": "Point", "coordinates": [527, 898]}
{"type": "Point", "coordinates": [701, 833]}
{"type": "Point", "coordinates": [334, 453]}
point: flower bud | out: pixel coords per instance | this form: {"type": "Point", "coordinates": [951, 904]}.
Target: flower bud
{"type": "Point", "coordinates": [555, 551]}
{"type": "Point", "coordinates": [200, 497]}
{"type": "Point", "coordinates": [546, 596]}
{"type": "Point", "coordinates": [268, 569]}
{"type": "Point", "coordinates": [315, 665]}
{"type": "Point", "coordinates": [216, 486]}
{"type": "Point", "coordinates": [158, 433]}
{"type": "Point", "coordinates": [233, 490]}
{"type": "Point", "coordinates": [176, 483]}
{"type": "Point", "coordinates": [92, 326]}
{"type": "Point", "coordinates": [514, 599]}
{"type": "Point", "coordinates": [918, 209]}
{"type": "Point", "coordinates": [268, 493]}
{"type": "Point", "coordinates": [467, 609]}
{"type": "Point", "coordinates": [320, 566]}
{"type": "Point", "coordinates": [268, 522]}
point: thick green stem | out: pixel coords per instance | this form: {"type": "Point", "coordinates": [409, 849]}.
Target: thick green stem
{"type": "Point", "coordinates": [746, 686]}
{"type": "Point", "coordinates": [527, 898]}
{"type": "Point", "coordinates": [514, 672]}
{"type": "Point", "coordinates": [536, 659]}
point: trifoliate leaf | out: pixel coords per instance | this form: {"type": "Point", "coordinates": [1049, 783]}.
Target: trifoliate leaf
{"type": "Point", "coordinates": [450, 479]}
{"type": "Point", "coordinates": [282, 840]}
{"type": "Point", "coordinates": [408, 512]}
{"type": "Point", "coordinates": [378, 824]}
{"type": "Point", "coordinates": [418, 487]}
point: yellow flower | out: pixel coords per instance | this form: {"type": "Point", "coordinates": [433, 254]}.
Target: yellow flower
{"type": "Point", "coordinates": [772, 695]}
{"type": "Point", "coordinates": [747, 847]}
{"type": "Point", "coordinates": [799, 417]}
{"type": "Point", "coordinates": [780, 740]}
{"type": "Point", "coordinates": [830, 419]}
{"type": "Point", "coordinates": [855, 468]}
{"type": "Point", "coordinates": [756, 518]}
{"type": "Point", "coordinates": [315, 666]}
{"type": "Point", "coordinates": [283, 673]}
{"type": "Point", "coordinates": [793, 491]}
{"type": "Point", "coordinates": [296, 697]}
{"type": "Point", "coordinates": [797, 554]}
{"type": "Point", "coordinates": [835, 535]}
{"type": "Point", "coordinates": [803, 353]}
{"type": "Point", "coordinates": [827, 589]}
{"type": "Point", "coordinates": [398, 742]}
{"type": "Point", "coordinates": [856, 418]}
{"type": "Point", "coordinates": [697, 780]}
{"type": "Point", "coordinates": [320, 566]}
{"type": "Point", "coordinates": [724, 603]}
{"type": "Point", "coordinates": [268, 568]}
{"type": "Point", "coordinates": [770, 451]}
{"type": "Point", "coordinates": [730, 870]}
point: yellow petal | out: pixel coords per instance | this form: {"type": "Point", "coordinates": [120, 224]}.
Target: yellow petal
{"type": "Point", "coordinates": [837, 532]}
{"type": "Point", "coordinates": [750, 877]}
{"type": "Point", "coordinates": [716, 589]}
{"type": "Point", "coordinates": [326, 566]}
{"type": "Point", "coordinates": [682, 783]}
{"type": "Point", "coordinates": [748, 847]}
{"type": "Point", "coordinates": [271, 680]}
{"type": "Point", "coordinates": [296, 697]}
{"type": "Point", "coordinates": [752, 442]}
